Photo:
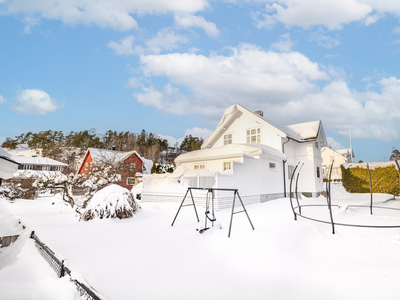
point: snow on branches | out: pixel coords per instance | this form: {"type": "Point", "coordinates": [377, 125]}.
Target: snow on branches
{"type": "Point", "coordinates": [78, 189]}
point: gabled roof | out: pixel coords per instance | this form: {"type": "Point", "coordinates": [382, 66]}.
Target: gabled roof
{"type": "Point", "coordinates": [6, 156]}
{"type": "Point", "coordinates": [345, 152]}
{"type": "Point", "coordinates": [230, 115]}
{"type": "Point", "coordinates": [308, 131]}
{"type": "Point", "coordinates": [231, 150]}
{"type": "Point", "coordinates": [301, 132]}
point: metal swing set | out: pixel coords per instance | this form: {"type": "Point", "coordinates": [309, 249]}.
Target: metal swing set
{"type": "Point", "coordinates": [210, 215]}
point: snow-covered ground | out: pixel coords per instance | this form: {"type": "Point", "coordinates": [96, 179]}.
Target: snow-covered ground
{"type": "Point", "coordinates": [146, 258]}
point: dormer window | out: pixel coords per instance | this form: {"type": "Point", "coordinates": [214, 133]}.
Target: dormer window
{"type": "Point", "coordinates": [228, 139]}
{"type": "Point", "coordinates": [254, 136]}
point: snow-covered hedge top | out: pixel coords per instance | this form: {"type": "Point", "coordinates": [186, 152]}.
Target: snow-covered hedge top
{"type": "Point", "coordinates": [372, 165]}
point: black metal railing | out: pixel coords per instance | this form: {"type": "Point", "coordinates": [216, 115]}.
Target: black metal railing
{"type": "Point", "coordinates": [86, 292]}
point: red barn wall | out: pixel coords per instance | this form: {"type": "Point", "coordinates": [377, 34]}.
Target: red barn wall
{"type": "Point", "coordinates": [127, 173]}
{"type": "Point", "coordinates": [88, 159]}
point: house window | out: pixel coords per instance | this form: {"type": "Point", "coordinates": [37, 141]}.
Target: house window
{"type": "Point", "coordinates": [227, 165]}
{"type": "Point", "coordinates": [28, 167]}
{"type": "Point", "coordinates": [228, 139]}
{"type": "Point", "coordinates": [254, 136]}
{"type": "Point", "coordinates": [318, 172]}
{"type": "Point", "coordinates": [132, 167]}
{"type": "Point", "coordinates": [272, 166]}
{"type": "Point", "coordinates": [290, 171]}
{"type": "Point", "coordinates": [91, 165]}
{"type": "Point", "coordinates": [46, 168]}
{"type": "Point", "coordinates": [199, 167]}
{"type": "Point", "coordinates": [86, 166]}
{"type": "Point", "coordinates": [130, 181]}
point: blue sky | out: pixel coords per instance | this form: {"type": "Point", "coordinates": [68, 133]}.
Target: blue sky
{"type": "Point", "coordinates": [172, 67]}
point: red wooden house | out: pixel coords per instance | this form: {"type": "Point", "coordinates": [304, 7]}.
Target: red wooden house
{"type": "Point", "coordinates": [133, 163]}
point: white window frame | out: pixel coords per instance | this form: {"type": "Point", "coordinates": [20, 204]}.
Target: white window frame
{"type": "Point", "coordinates": [199, 166]}
{"type": "Point", "coordinates": [130, 178]}
{"type": "Point", "coordinates": [257, 134]}
{"type": "Point", "coordinates": [227, 138]}
{"type": "Point", "coordinates": [272, 165]}
{"type": "Point", "coordinates": [290, 174]}
{"type": "Point", "coordinates": [132, 167]}
{"type": "Point", "coordinates": [318, 172]}
{"type": "Point", "coordinates": [229, 164]}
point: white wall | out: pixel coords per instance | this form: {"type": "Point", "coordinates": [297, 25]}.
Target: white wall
{"type": "Point", "coordinates": [270, 135]}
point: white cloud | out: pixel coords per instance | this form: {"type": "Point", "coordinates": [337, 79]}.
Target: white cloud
{"type": "Point", "coordinates": [188, 20]}
{"type": "Point", "coordinates": [2, 99]}
{"type": "Point", "coordinates": [288, 87]}
{"type": "Point", "coordinates": [330, 14]}
{"type": "Point", "coordinates": [323, 40]}
{"type": "Point", "coordinates": [115, 14]}
{"type": "Point", "coordinates": [198, 132]}
{"type": "Point", "coordinates": [334, 144]}
{"type": "Point", "coordinates": [285, 44]}
{"type": "Point", "coordinates": [133, 82]}
{"type": "Point", "coordinates": [166, 39]}
{"type": "Point", "coordinates": [195, 132]}
{"type": "Point", "coordinates": [35, 102]}
{"type": "Point", "coordinates": [30, 22]}
{"type": "Point", "coordinates": [170, 100]}
{"type": "Point", "coordinates": [125, 47]}
{"type": "Point", "coordinates": [217, 81]}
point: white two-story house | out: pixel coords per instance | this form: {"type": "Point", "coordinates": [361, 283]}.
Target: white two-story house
{"type": "Point", "coordinates": [248, 153]}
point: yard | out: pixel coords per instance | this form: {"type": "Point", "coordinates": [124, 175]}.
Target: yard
{"type": "Point", "coordinates": [146, 258]}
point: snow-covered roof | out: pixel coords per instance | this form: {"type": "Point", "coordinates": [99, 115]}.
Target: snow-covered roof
{"type": "Point", "coordinates": [23, 160]}
{"type": "Point", "coordinates": [308, 131]}
{"type": "Point", "coordinates": [372, 165]}
{"type": "Point", "coordinates": [301, 132]}
{"type": "Point", "coordinates": [231, 114]}
{"type": "Point", "coordinates": [4, 153]}
{"type": "Point", "coordinates": [101, 155]}
{"type": "Point", "coordinates": [345, 152]}
{"type": "Point", "coordinates": [7, 165]}
{"type": "Point", "coordinates": [230, 150]}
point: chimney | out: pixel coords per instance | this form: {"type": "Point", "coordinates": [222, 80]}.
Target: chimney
{"type": "Point", "coordinates": [113, 148]}
{"type": "Point", "coordinates": [259, 112]}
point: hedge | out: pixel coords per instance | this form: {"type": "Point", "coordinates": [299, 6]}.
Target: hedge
{"type": "Point", "coordinates": [384, 180]}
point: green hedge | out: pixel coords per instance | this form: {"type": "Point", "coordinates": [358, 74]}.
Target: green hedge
{"type": "Point", "coordinates": [384, 180]}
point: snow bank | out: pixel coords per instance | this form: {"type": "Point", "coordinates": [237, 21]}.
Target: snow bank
{"type": "Point", "coordinates": [372, 165]}
{"type": "Point", "coordinates": [113, 202]}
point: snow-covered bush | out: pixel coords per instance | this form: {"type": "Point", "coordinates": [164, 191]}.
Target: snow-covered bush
{"type": "Point", "coordinates": [159, 168]}
{"type": "Point", "coordinates": [113, 202]}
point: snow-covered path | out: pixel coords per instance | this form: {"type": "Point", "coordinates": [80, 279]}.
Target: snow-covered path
{"type": "Point", "coordinates": [145, 258]}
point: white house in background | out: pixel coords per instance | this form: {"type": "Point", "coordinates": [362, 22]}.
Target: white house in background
{"type": "Point", "coordinates": [338, 157]}
{"type": "Point", "coordinates": [8, 166]}
{"type": "Point", "coordinates": [247, 153]}
{"type": "Point", "coordinates": [36, 166]}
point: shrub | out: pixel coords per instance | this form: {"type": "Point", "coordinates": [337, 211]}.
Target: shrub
{"type": "Point", "coordinates": [12, 189]}
{"type": "Point", "coordinates": [384, 180]}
